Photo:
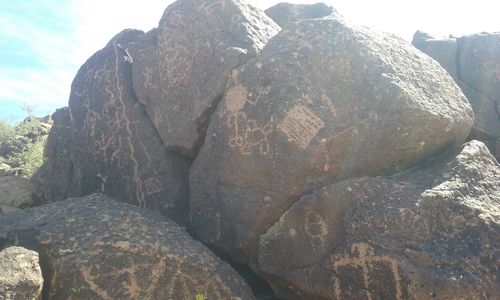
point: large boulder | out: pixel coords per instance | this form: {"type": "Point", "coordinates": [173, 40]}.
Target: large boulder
{"type": "Point", "coordinates": [20, 276]}
{"type": "Point", "coordinates": [181, 68]}
{"type": "Point", "coordinates": [284, 13]}
{"type": "Point", "coordinates": [474, 63]}
{"type": "Point", "coordinates": [97, 248]}
{"type": "Point", "coordinates": [108, 143]}
{"type": "Point", "coordinates": [326, 100]}
{"type": "Point", "coordinates": [430, 232]}
{"type": "Point", "coordinates": [479, 62]}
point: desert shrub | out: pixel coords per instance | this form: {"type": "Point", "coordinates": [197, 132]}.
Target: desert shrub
{"type": "Point", "coordinates": [7, 134]}
{"type": "Point", "coordinates": [21, 146]}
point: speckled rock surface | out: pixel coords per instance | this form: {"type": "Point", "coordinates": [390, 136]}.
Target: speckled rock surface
{"type": "Point", "coordinates": [430, 232]}
{"type": "Point", "coordinates": [326, 100]}
{"type": "Point", "coordinates": [20, 274]}
{"type": "Point", "coordinates": [284, 13]}
{"type": "Point", "coordinates": [98, 248]}
{"type": "Point", "coordinates": [181, 68]}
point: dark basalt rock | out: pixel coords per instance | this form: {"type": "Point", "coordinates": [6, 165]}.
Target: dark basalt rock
{"type": "Point", "coordinates": [432, 231]}
{"type": "Point", "coordinates": [98, 248]}
{"type": "Point", "coordinates": [324, 101]}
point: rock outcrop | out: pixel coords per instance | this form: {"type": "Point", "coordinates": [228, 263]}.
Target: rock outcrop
{"type": "Point", "coordinates": [474, 63]}
{"type": "Point", "coordinates": [325, 100]}
{"type": "Point", "coordinates": [432, 231]}
{"type": "Point", "coordinates": [181, 68]}
{"type": "Point", "coordinates": [20, 275]}
{"type": "Point", "coordinates": [322, 156]}
{"type": "Point", "coordinates": [284, 13]}
{"type": "Point", "coordinates": [97, 248]}
{"type": "Point", "coordinates": [139, 108]}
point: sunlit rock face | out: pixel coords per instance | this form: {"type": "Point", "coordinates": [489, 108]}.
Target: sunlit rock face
{"type": "Point", "coordinates": [21, 277]}
{"type": "Point", "coordinates": [97, 248]}
{"type": "Point", "coordinates": [431, 231]}
{"type": "Point", "coordinates": [474, 63]}
{"type": "Point", "coordinates": [324, 101]}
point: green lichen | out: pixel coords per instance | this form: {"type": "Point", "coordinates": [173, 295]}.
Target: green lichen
{"type": "Point", "coordinates": [200, 297]}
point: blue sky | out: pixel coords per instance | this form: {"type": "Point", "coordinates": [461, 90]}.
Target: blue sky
{"type": "Point", "coordinates": [44, 42]}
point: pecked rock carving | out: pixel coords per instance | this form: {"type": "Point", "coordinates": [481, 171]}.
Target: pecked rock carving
{"type": "Point", "coordinates": [324, 101]}
{"type": "Point", "coordinates": [413, 235]}
{"type": "Point", "coordinates": [97, 248]}
{"type": "Point", "coordinates": [110, 144]}
{"type": "Point", "coordinates": [181, 68]}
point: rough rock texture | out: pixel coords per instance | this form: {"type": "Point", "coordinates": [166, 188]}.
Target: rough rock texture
{"type": "Point", "coordinates": [325, 100]}
{"type": "Point", "coordinates": [20, 274]}
{"type": "Point", "coordinates": [181, 68]}
{"type": "Point", "coordinates": [113, 147]}
{"type": "Point", "coordinates": [284, 13]}
{"type": "Point", "coordinates": [474, 63]}
{"type": "Point", "coordinates": [97, 248]}
{"type": "Point", "coordinates": [15, 191]}
{"type": "Point", "coordinates": [430, 232]}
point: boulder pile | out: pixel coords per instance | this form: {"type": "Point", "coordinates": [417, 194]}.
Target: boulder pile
{"type": "Point", "coordinates": [324, 157]}
{"type": "Point", "coordinates": [474, 62]}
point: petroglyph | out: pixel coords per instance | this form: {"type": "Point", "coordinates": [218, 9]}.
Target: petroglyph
{"type": "Point", "coordinates": [152, 185]}
{"type": "Point", "coordinates": [316, 229]}
{"type": "Point", "coordinates": [300, 126]}
{"type": "Point", "coordinates": [362, 258]}
{"type": "Point", "coordinates": [236, 97]}
{"type": "Point", "coordinates": [178, 58]}
{"type": "Point", "coordinates": [246, 134]}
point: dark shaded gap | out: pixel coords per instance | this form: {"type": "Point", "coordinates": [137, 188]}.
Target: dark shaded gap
{"type": "Point", "coordinates": [202, 124]}
{"type": "Point", "coordinates": [260, 288]}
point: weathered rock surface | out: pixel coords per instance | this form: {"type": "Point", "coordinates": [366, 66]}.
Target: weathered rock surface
{"type": "Point", "coordinates": [430, 232]}
{"type": "Point", "coordinates": [284, 13]}
{"type": "Point", "coordinates": [20, 274]}
{"type": "Point", "coordinates": [15, 191]}
{"type": "Point", "coordinates": [97, 248]}
{"type": "Point", "coordinates": [474, 63]}
{"type": "Point", "coordinates": [113, 146]}
{"type": "Point", "coordinates": [181, 68]}
{"type": "Point", "coordinates": [325, 101]}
